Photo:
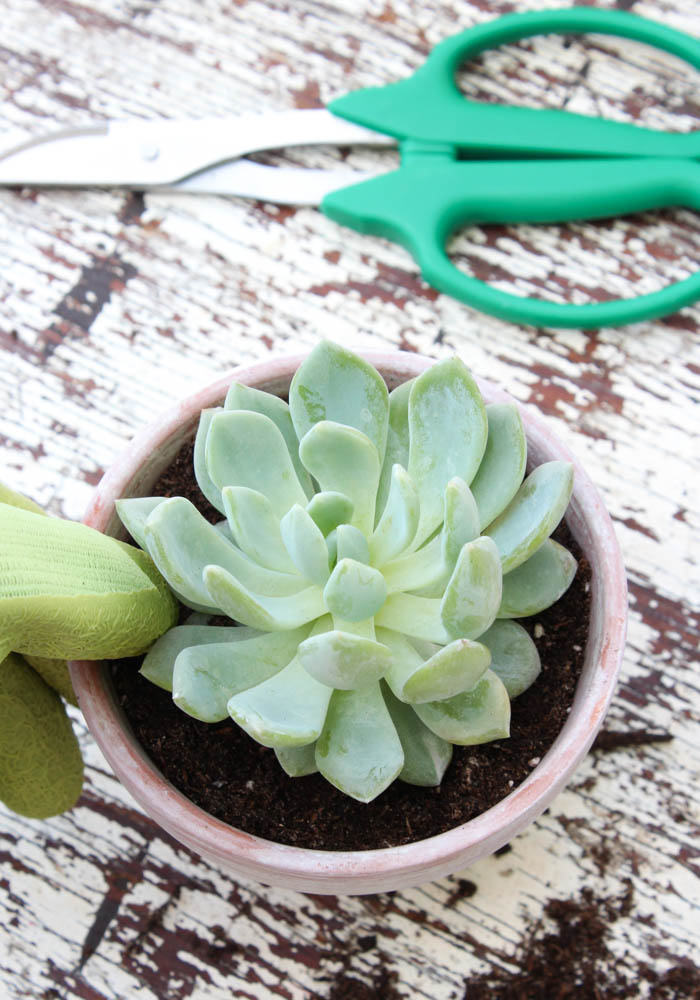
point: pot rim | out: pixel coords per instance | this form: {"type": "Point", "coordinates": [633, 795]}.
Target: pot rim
{"type": "Point", "coordinates": [391, 867]}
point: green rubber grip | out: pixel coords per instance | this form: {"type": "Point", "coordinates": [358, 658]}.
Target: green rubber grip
{"type": "Point", "coordinates": [430, 196]}
{"type": "Point", "coordinates": [429, 107]}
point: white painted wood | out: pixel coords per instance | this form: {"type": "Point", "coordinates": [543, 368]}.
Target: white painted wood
{"type": "Point", "coordinates": [111, 308]}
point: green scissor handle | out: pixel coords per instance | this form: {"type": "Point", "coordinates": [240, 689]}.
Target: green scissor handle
{"type": "Point", "coordinates": [418, 206]}
{"type": "Point", "coordinates": [429, 106]}
{"type": "Point", "coordinates": [553, 167]}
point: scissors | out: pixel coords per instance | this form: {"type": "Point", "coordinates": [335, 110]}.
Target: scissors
{"type": "Point", "coordinates": [462, 163]}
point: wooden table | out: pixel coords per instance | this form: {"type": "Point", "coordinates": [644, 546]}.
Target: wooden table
{"type": "Point", "coordinates": [114, 305]}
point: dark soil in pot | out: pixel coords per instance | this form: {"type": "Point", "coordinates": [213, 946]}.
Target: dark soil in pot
{"type": "Point", "coordinates": [232, 777]}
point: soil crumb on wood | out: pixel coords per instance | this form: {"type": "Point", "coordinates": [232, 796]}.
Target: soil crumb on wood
{"type": "Point", "coordinates": [381, 987]}
{"type": "Point", "coordinates": [240, 782]}
{"type": "Point", "coordinates": [573, 959]}
{"type": "Point", "coordinates": [465, 890]}
{"type": "Point", "coordinates": [611, 739]}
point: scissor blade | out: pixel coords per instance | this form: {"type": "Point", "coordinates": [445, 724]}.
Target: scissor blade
{"type": "Point", "coordinates": [281, 185]}
{"type": "Point", "coordinates": [144, 154]}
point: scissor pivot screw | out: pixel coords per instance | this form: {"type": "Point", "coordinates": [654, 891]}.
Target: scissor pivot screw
{"type": "Point", "coordinates": [150, 153]}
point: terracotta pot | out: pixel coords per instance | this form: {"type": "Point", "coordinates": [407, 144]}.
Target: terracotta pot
{"type": "Point", "coordinates": [242, 854]}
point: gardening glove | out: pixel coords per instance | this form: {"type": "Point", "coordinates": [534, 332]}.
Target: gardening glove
{"type": "Point", "coordinates": [66, 592]}
{"type": "Point", "coordinates": [41, 770]}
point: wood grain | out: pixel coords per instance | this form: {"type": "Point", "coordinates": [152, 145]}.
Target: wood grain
{"type": "Point", "coordinates": [112, 305]}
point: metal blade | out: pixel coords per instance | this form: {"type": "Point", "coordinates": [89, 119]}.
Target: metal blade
{"type": "Point", "coordinates": [144, 154]}
{"type": "Point", "coordinates": [282, 185]}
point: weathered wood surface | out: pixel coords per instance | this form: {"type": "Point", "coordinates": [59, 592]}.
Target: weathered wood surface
{"type": "Point", "coordinates": [113, 305]}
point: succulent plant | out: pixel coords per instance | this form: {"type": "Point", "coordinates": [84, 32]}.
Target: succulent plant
{"type": "Point", "coordinates": [376, 550]}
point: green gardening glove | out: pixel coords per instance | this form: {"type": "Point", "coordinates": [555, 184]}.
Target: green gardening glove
{"type": "Point", "coordinates": [41, 770]}
{"type": "Point", "coordinates": [66, 592]}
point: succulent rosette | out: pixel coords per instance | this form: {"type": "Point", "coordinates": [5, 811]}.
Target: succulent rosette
{"type": "Point", "coordinates": [376, 550]}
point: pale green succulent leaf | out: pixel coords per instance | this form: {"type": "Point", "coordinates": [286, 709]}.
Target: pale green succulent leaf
{"type": "Point", "coordinates": [426, 756]}
{"type": "Point", "coordinates": [473, 717]}
{"type": "Point", "coordinates": [145, 562]}
{"type": "Point", "coordinates": [159, 662]}
{"type": "Point", "coordinates": [247, 449]}
{"type": "Point", "coordinates": [41, 770]}
{"type": "Point", "coordinates": [344, 660]}
{"type": "Point", "coordinates": [134, 512]}
{"type": "Point", "coordinates": [455, 668]}
{"type": "Point", "coordinates": [405, 659]}
{"type": "Point", "coordinates": [204, 609]}
{"type": "Point", "coordinates": [461, 521]}
{"type": "Point", "coordinates": [305, 544]}
{"type": "Point", "coordinates": [344, 460]}
{"type": "Point", "coordinates": [414, 616]}
{"type": "Point", "coordinates": [427, 571]}
{"type": "Point", "coordinates": [359, 750]}
{"type": "Point", "coordinates": [225, 528]}
{"type": "Point", "coordinates": [473, 595]}
{"type": "Point", "coordinates": [364, 629]}
{"type": "Point", "coordinates": [354, 591]}
{"type": "Point", "coordinates": [255, 528]}
{"type": "Point", "coordinates": [332, 546]}
{"type": "Point", "coordinates": [329, 509]}
{"type": "Point", "coordinates": [201, 472]}
{"type": "Point", "coordinates": [533, 513]}
{"type": "Point", "coordinates": [297, 762]}
{"type": "Point", "coordinates": [503, 465]}
{"type": "Point", "coordinates": [448, 430]}
{"type": "Point", "coordinates": [538, 582]}
{"type": "Point", "coordinates": [269, 614]}
{"type": "Point", "coordinates": [425, 648]}
{"type": "Point", "coordinates": [182, 543]}
{"type": "Point", "coordinates": [243, 397]}
{"type": "Point", "coordinates": [288, 710]}
{"type": "Point", "coordinates": [334, 384]}
{"type": "Point", "coordinates": [448, 671]}
{"type": "Point", "coordinates": [350, 543]}
{"type": "Point", "coordinates": [69, 592]}
{"type": "Point", "coordinates": [398, 523]}
{"type": "Point", "coordinates": [420, 571]}
{"type": "Point", "coordinates": [397, 442]}
{"type": "Point", "coordinates": [207, 676]}
{"type": "Point", "coordinates": [196, 606]}
{"type": "Point", "coordinates": [514, 655]}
